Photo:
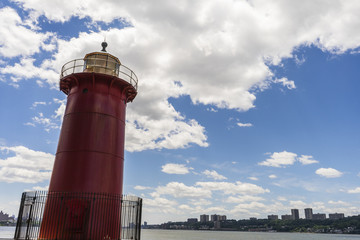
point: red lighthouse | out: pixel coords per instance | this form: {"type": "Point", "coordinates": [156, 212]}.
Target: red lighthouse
{"type": "Point", "coordinates": [90, 155]}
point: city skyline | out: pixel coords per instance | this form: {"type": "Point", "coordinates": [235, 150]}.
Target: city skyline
{"type": "Point", "coordinates": [244, 108]}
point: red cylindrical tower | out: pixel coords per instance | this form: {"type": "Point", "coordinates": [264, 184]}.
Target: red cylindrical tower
{"type": "Point", "coordinates": [90, 153]}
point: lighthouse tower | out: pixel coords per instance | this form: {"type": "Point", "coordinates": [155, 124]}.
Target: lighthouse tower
{"type": "Point", "coordinates": [84, 198]}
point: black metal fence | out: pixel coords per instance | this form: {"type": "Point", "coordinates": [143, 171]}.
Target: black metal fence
{"type": "Point", "coordinates": [81, 216]}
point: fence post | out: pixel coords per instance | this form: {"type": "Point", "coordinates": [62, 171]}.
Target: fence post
{"type": "Point", "coordinates": [19, 220]}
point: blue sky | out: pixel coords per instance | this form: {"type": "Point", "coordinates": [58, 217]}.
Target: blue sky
{"type": "Point", "coordinates": [245, 108]}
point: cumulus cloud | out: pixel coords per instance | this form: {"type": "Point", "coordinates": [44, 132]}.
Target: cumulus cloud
{"type": "Point", "coordinates": [173, 168]}
{"type": "Point", "coordinates": [328, 172]}
{"type": "Point", "coordinates": [17, 39]}
{"type": "Point", "coordinates": [297, 204]}
{"type": "Point", "coordinates": [225, 54]}
{"type": "Point", "coordinates": [26, 165]}
{"type": "Point", "coordinates": [280, 159]}
{"type": "Point", "coordinates": [244, 198]}
{"type": "Point", "coordinates": [253, 178]}
{"type": "Point", "coordinates": [355, 190]}
{"type": "Point", "coordinates": [213, 174]}
{"type": "Point", "coordinates": [205, 190]}
{"type": "Point", "coordinates": [342, 203]}
{"type": "Point", "coordinates": [180, 190]}
{"type": "Point", "coordinates": [306, 160]}
{"type": "Point", "coordinates": [26, 69]}
{"type": "Point", "coordinates": [233, 188]}
{"type": "Point", "coordinates": [283, 159]}
{"type": "Point", "coordinates": [251, 208]}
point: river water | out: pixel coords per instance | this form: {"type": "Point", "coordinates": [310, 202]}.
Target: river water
{"type": "Point", "coordinates": [147, 234]}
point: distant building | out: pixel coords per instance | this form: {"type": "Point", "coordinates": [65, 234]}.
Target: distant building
{"type": "Point", "coordinates": [286, 217]}
{"type": "Point", "coordinates": [295, 214]}
{"type": "Point", "coordinates": [145, 224]}
{"type": "Point", "coordinates": [192, 220]}
{"type": "Point", "coordinates": [273, 217]}
{"type": "Point", "coordinates": [308, 213]}
{"type": "Point", "coordinates": [319, 216]}
{"type": "Point", "coordinates": [336, 215]}
{"type": "Point", "coordinates": [5, 217]}
{"type": "Point", "coordinates": [216, 217]}
{"type": "Point", "coordinates": [204, 218]}
{"type": "Point", "coordinates": [217, 224]}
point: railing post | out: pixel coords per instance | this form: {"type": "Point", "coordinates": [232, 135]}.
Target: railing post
{"type": "Point", "coordinates": [19, 220]}
{"type": "Point", "coordinates": [29, 219]}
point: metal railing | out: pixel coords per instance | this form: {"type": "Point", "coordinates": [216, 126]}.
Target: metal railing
{"type": "Point", "coordinates": [99, 65]}
{"type": "Point", "coordinates": [56, 215]}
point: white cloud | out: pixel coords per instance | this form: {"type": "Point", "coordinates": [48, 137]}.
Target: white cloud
{"type": "Point", "coordinates": [200, 202]}
{"type": "Point", "coordinates": [160, 205]}
{"type": "Point", "coordinates": [138, 187]}
{"type": "Point", "coordinates": [297, 204]}
{"type": "Point", "coordinates": [355, 190]}
{"type": "Point", "coordinates": [306, 160]}
{"type": "Point", "coordinates": [173, 168]}
{"type": "Point", "coordinates": [27, 166]}
{"type": "Point", "coordinates": [280, 159]}
{"type": "Point", "coordinates": [226, 56]}
{"type": "Point", "coordinates": [253, 178]}
{"type": "Point", "coordinates": [244, 124]}
{"type": "Point", "coordinates": [283, 159]}
{"type": "Point", "coordinates": [342, 203]}
{"type": "Point", "coordinates": [272, 176]}
{"type": "Point", "coordinates": [35, 104]}
{"type": "Point", "coordinates": [213, 174]}
{"type": "Point", "coordinates": [233, 188]}
{"type": "Point", "coordinates": [38, 188]}
{"type": "Point", "coordinates": [17, 39]}
{"type": "Point", "coordinates": [212, 110]}
{"type": "Point", "coordinates": [204, 190]}
{"type": "Point", "coordinates": [249, 208]}
{"type": "Point", "coordinates": [281, 198]}
{"type": "Point", "coordinates": [243, 198]}
{"type": "Point", "coordinates": [27, 70]}
{"type": "Point", "coordinates": [286, 83]}
{"type": "Point", "coordinates": [328, 172]}
{"type": "Point", "coordinates": [299, 61]}
{"type": "Point", "coordinates": [50, 122]}
{"type": "Point", "coordinates": [180, 190]}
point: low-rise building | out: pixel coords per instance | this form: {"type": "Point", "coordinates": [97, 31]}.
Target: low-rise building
{"type": "Point", "coordinates": [5, 217]}
{"type": "Point", "coordinates": [192, 220]}
{"type": "Point", "coordinates": [273, 217]}
{"type": "Point", "coordinates": [336, 215]}
{"type": "Point", "coordinates": [286, 217]}
{"type": "Point", "coordinates": [319, 216]}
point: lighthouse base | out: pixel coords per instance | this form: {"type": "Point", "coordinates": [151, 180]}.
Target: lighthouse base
{"type": "Point", "coordinates": [55, 215]}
